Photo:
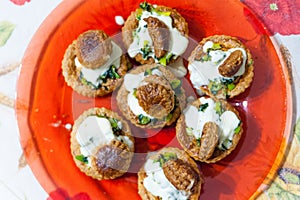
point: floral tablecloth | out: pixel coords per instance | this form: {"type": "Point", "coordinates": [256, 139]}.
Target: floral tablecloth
{"type": "Point", "coordinates": [19, 19]}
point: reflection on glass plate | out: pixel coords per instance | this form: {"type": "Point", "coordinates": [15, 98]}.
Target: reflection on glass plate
{"type": "Point", "coordinates": [47, 107]}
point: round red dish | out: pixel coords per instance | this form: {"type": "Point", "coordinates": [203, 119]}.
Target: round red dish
{"type": "Point", "coordinates": [46, 106]}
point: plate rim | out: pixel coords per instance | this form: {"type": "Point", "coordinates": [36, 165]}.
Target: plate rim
{"type": "Point", "coordinates": [23, 98]}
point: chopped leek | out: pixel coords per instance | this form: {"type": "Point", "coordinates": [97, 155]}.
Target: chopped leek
{"type": "Point", "coordinates": [163, 158]}
{"type": "Point", "coordinates": [143, 119]}
{"type": "Point", "coordinates": [82, 158]}
{"type": "Point", "coordinates": [203, 107]}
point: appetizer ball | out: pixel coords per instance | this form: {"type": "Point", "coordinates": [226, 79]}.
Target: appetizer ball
{"type": "Point", "coordinates": [94, 65]}
{"type": "Point", "coordinates": [170, 174]}
{"type": "Point", "coordinates": [209, 129]}
{"type": "Point", "coordinates": [101, 144]}
{"type": "Point", "coordinates": [151, 96]}
{"type": "Point", "coordinates": [155, 34]}
{"type": "Point", "coordinates": [221, 66]}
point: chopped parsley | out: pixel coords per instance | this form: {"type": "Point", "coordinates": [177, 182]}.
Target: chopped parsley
{"type": "Point", "coordinates": [86, 82]}
{"type": "Point", "coordinates": [150, 8]}
{"type": "Point", "coordinates": [82, 158]}
{"type": "Point", "coordinates": [203, 107]}
{"type": "Point", "coordinates": [146, 6]}
{"type": "Point", "coordinates": [143, 119]}
{"type": "Point", "coordinates": [215, 87]}
{"type": "Point", "coordinates": [115, 124]}
{"type": "Point", "coordinates": [218, 108]}
{"type": "Point", "coordinates": [205, 58]}
{"type": "Point", "coordinates": [237, 129]}
{"type": "Point", "coordinates": [166, 59]}
{"type": "Point", "coordinates": [176, 85]}
{"type": "Point", "coordinates": [163, 158]}
{"type": "Point", "coordinates": [169, 117]}
{"type": "Point", "coordinates": [134, 92]}
{"type": "Point", "coordinates": [149, 71]}
{"type": "Point", "coordinates": [198, 140]}
{"type": "Point", "coordinates": [111, 73]}
{"type": "Point", "coordinates": [250, 62]}
{"type": "Point", "coordinates": [189, 131]}
{"type": "Point", "coordinates": [146, 50]}
{"type": "Point", "coordinates": [230, 86]}
{"type": "Point", "coordinates": [216, 46]}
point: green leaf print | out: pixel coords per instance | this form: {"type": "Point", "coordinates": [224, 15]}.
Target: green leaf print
{"type": "Point", "coordinates": [289, 175]}
{"type": "Point", "coordinates": [297, 129]}
{"type": "Point", "coordinates": [6, 29]}
{"type": "Point", "coordinates": [278, 193]}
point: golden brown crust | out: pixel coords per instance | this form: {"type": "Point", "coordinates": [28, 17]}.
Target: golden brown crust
{"type": "Point", "coordinates": [192, 147]}
{"type": "Point", "coordinates": [122, 152]}
{"type": "Point", "coordinates": [71, 75]}
{"type": "Point", "coordinates": [126, 111]}
{"type": "Point", "coordinates": [177, 174]}
{"type": "Point", "coordinates": [131, 24]}
{"type": "Point", "coordinates": [227, 42]}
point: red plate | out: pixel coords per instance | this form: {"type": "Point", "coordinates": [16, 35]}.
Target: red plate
{"type": "Point", "coordinates": [45, 104]}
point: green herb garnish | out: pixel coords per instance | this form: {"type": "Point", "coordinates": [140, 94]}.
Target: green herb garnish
{"type": "Point", "coordinates": [237, 129]}
{"type": "Point", "coordinates": [189, 131]}
{"type": "Point", "coordinates": [163, 61]}
{"type": "Point", "coordinates": [86, 82]}
{"type": "Point", "coordinates": [205, 58]}
{"type": "Point", "coordinates": [216, 46]}
{"type": "Point", "coordinates": [162, 13]}
{"type": "Point", "coordinates": [146, 50]}
{"type": "Point", "coordinates": [134, 92]}
{"type": "Point", "coordinates": [203, 107]}
{"type": "Point", "coordinates": [114, 124]}
{"type": "Point", "coordinates": [198, 140]}
{"type": "Point", "coordinates": [82, 158]}
{"type": "Point", "coordinates": [163, 158]}
{"type": "Point", "coordinates": [146, 6]}
{"type": "Point", "coordinates": [166, 59]}
{"type": "Point", "coordinates": [230, 86]}
{"type": "Point", "coordinates": [148, 72]}
{"type": "Point", "coordinates": [250, 62]}
{"type": "Point", "coordinates": [215, 87]}
{"type": "Point", "coordinates": [111, 73]}
{"type": "Point", "coordinates": [139, 13]}
{"type": "Point", "coordinates": [218, 108]}
{"type": "Point", "coordinates": [175, 84]}
{"type": "Point", "coordinates": [169, 117]}
{"type": "Point", "coordinates": [143, 119]}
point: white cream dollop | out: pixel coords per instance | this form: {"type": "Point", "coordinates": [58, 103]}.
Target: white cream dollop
{"type": "Point", "coordinates": [178, 42]}
{"type": "Point", "coordinates": [201, 72]}
{"type": "Point", "coordinates": [157, 183]}
{"type": "Point", "coordinates": [96, 131]}
{"type": "Point", "coordinates": [92, 75]}
{"type": "Point", "coordinates": [195, 119]}
{"type": "Point", "coordinates": [133, 81]}
{"type": "Point", "coordinates": [93, 132]}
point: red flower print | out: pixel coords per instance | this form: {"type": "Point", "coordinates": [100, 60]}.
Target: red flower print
{"type": "Point", "coordinates": [61, 194]}
{"type": "Point", "coordinates": [279, 16]}
{"type": "Point", "coordinates": [19, 2]}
